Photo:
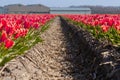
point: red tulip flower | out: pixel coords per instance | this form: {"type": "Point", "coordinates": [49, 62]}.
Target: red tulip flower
{"type": "Point", "coordinates": [27, 25]}
{"type": "Point", "coordinates": [9, 43]}
{"type": "Point", "coordinates": [36, 26]}
{"type": "Point", "coordinates": [3, 36]}
{"type": "Point", "coordinates": [117, 27]}
{"type": "Point", "coordinates": [105, 28]}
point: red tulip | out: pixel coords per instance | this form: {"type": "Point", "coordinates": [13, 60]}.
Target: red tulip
{"type": "Point", "coordinates": [27, 25]}
{"type": "Point", "coordinates": [9, 43]}
{"type": "Point", "coordinates": [36, 26]}
{"type": "Point", "coordinates": [4, 22]}
{"type": "Point", "coordinates": [117, 27]}
{"type": "Point", "coordinates": [17, 35]}
{"type": "Point", "coordinates": [105, 28]}
{"type": "Point", "coordinates": [3, 36]}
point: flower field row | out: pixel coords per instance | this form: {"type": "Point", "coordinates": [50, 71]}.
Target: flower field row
{"type": "Point", "coordinates": [18, 33]}
{"type": "Point", "coordinates": [101, 26]}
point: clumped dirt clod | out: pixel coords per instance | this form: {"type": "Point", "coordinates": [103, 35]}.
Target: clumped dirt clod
{"type": "Point", "coordinates": [56, 58]}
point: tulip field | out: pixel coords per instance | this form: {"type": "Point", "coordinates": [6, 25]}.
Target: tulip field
{"type": "Point", "coordinates": [101, 26]}
{"type": "Point", "coordinates": [20, 32]}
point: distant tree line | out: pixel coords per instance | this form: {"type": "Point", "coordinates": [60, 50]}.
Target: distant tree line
{"type": "Point", "coordinates": [102, 9]}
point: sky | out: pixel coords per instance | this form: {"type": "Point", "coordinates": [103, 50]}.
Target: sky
{"type": "Point", "coordinates": [62, 3]}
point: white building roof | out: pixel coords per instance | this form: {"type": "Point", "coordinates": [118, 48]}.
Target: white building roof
{"type": "Point", "coordinates": [67, 8]}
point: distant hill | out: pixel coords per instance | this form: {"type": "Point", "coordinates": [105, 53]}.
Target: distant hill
{"type": "Point", "coordinates": [102, 9]}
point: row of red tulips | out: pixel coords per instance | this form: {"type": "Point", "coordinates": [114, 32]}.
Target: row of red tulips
{"type": "Point", "coordinates": [103, 27]}
{"type": "Point", "coordinates": [19, 32]}
{"type": "Point", "coordinates": [15, 26]}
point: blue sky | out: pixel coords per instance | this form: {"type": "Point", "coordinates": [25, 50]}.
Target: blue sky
{"type": "Point", "coordinates": [62, 3]}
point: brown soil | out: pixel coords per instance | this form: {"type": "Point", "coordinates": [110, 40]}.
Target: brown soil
{"type": "Point", "coordinates": [56, 58]}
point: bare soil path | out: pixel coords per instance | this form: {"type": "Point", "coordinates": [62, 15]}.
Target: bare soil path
{"type": "Point", "coordinates": [56, 58]}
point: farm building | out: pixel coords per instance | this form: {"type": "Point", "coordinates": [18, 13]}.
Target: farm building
{"type": "Point", "coordinates": [27, 9]}
{"type": "Point", "coordinates": [68, 10]}
{"type": "Point", "coordinates": [2, 10]}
